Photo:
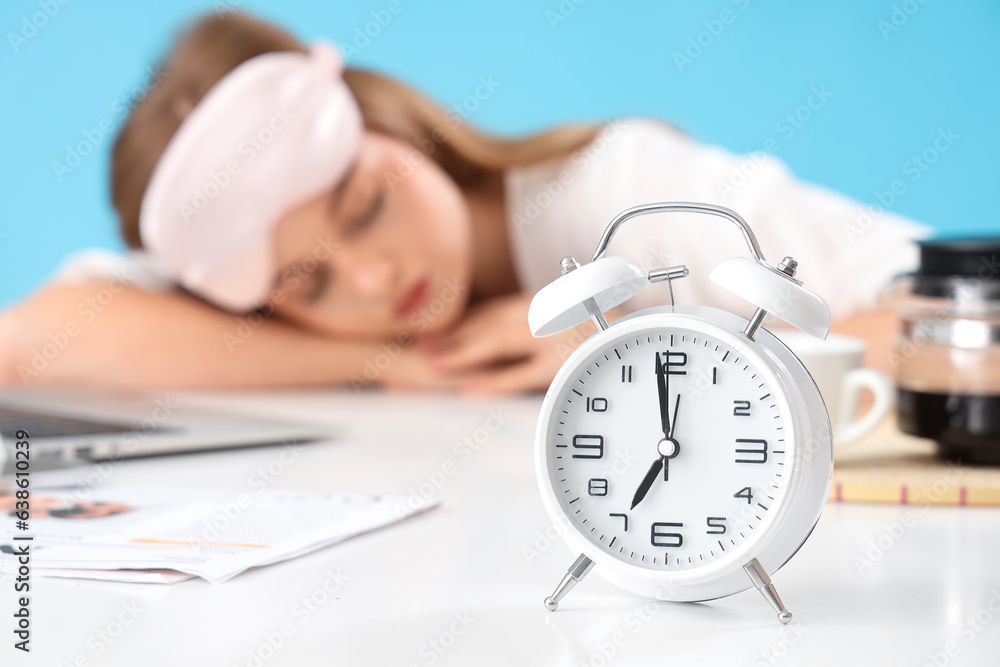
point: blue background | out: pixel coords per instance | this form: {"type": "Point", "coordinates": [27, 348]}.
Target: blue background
{"type": "Point", "coordinates": [892, 90]}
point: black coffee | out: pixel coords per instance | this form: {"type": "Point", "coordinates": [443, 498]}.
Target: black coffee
{"type": "Point", "coordinates": [966, 428]}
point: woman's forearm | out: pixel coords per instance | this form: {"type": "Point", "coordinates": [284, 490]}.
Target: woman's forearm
{"type": "Point", "coordinates": [86, 335]}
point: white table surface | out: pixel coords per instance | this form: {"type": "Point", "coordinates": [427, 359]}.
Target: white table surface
{"type": "Point", "coordinates": [464, 583]}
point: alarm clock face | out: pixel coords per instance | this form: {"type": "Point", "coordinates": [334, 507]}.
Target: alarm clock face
{"type": "Point", "coordinates": [669, 446]}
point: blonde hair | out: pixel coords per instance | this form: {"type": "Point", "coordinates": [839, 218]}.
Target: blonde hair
{"type": "Point", "coordinates": [216, 44]}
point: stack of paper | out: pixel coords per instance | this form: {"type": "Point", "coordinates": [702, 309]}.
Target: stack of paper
{"type": "Point", "coordinates": [211, 535]}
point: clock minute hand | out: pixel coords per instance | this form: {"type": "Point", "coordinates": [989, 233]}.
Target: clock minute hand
{"type": "Point", "coordinates": [663, 390]}
{"type": "Point", "coordinates": [647, 482]}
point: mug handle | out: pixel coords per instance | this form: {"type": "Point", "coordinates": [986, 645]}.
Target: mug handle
{"type": "Point", "coordinates": [854, 382]}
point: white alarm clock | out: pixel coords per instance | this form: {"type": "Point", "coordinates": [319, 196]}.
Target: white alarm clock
{"type": "Point", "coordinates": [684, 450]}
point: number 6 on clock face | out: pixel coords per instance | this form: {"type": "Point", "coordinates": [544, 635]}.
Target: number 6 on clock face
{"type": "Point", "coordinates": [677, 476]}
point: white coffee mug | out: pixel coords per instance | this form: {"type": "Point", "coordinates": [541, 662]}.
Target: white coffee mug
{"type": "Point", "coordinates": [835, 365]}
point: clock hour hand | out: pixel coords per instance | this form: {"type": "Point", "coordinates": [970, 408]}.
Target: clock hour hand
{"type": "Point", "coordinates": [647, 482]}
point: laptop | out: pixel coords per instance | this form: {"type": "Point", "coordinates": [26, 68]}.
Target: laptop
{"type": "Point", "coordinates": [73, 425]}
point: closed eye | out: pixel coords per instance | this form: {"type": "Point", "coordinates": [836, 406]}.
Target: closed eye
{"type": "Point", "coordinates": [339, 193]}
{"type": "Point", "coordinates": [317, 284]}
{"type": "Point", "coordinates": [370, 214]}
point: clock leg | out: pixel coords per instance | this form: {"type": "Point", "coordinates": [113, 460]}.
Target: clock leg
{"type": "Point", "coordinates": [577, 571]}
{"type": "Point", "coordinates": [762, 583]}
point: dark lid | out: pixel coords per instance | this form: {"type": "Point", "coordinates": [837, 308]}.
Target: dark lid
{"type": "Point", "coordinates": [947, 264]}
{"type": "Point", "coordinates": [959, 257]}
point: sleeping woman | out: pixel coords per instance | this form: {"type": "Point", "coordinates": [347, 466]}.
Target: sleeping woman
{"type": "Point", "coordinates": [294, 223]}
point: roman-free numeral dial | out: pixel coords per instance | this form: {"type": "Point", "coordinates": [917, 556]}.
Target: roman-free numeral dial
{"type": "Point", "coordinates": [667, 447]}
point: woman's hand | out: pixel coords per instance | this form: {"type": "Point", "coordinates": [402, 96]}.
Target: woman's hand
{"type": "Point", "coordinates": [492, 351]}
{"type": "Point", "coordinates": [404, 366]}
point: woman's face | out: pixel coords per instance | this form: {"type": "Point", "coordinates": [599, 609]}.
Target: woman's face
{"type": "Point", "coordinates": [388, 251]}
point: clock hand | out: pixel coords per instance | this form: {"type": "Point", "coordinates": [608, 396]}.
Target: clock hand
{"type": "Point", "coordinates": [676, 445]}
{"type": "Point", "coordinates": [647, 481]}
{"type": "Point", "coordinates": [677, 404]}
{"type": "Point", "coordinates": [663, 390]}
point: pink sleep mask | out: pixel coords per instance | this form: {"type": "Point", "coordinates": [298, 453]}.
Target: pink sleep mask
{"type": "Point", "coordinates": [277, 131]}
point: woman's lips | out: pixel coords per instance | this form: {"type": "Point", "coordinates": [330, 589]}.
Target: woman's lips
{"type": "Point", "coordinates": [413, 297]}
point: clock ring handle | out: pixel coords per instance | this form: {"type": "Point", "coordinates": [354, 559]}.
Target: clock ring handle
{"type": "Point", "coordinates": [681, 207]}
{"type": "Point", "coordinates": [772, 289]}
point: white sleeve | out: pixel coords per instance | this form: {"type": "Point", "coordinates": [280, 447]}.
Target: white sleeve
{"type": "Point", "coordinates": [95, 264]}
{"type": "Point", "coordinates": [847, 253]}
